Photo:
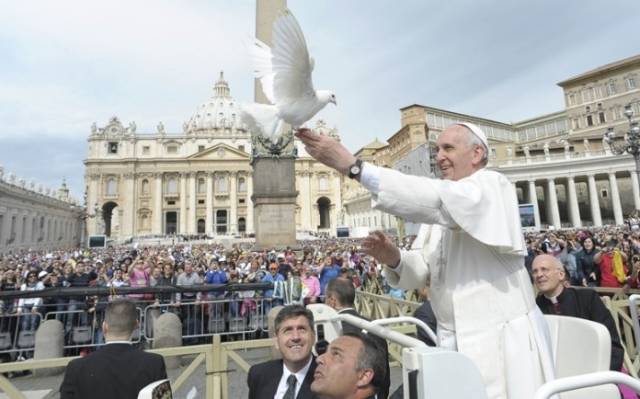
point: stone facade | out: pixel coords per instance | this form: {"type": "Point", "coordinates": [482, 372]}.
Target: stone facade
{"type": "Point", "coordinates": [198, 181]}
{"type": "Point", "coordinates": [557, 161]}
{"type": "Point", "coordinates": [38, 218]}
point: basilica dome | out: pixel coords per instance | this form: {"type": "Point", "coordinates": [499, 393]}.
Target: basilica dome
{"type": "Point", "coordinates": [220, 114]}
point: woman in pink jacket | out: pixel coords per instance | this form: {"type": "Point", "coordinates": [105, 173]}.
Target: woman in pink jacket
{"type": "Point", "coordinates": [310, 285]}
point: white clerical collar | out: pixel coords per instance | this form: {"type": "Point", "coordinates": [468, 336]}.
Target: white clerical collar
{"type": "Point", "coordinates": [117, 342]}
{"type": "Point", "coordinates": [344, 310]}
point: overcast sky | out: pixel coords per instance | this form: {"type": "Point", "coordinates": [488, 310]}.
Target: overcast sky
{"type": "Point", "coordinates": [65, 64]}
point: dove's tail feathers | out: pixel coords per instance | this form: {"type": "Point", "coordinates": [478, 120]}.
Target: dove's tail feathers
{"type": "Point", "coordinates": [260, 119]}
{"type": "Point", "coordinates": [263, 67]}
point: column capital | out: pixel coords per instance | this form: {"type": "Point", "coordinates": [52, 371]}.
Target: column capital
{"type": "Point", "coordinates": [551, 180]}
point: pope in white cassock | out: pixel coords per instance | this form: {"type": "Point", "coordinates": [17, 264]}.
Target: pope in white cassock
{"type": "Point", "coordinates": [470, 252]}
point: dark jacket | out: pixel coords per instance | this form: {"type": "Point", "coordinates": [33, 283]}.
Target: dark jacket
{"type": "Point", "coordinates": [113, 371]}
{"type": "Point", "coordinates": [586, 304]}
{"type": "Point", "coordinates": [263, 380]}
{"type": "Point", "coordinates": [585, 265]}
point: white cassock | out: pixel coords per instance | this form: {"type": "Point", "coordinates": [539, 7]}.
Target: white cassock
{"type": "Point", "coordinates": [472, 257]}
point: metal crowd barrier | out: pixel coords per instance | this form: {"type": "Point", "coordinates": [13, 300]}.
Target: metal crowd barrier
{"type": "Point", "coordinates": [224, 316]}
{"type": "Point", "coordinates": [17, 331]}
{"type": "Point", "coordinates": [83, 329]}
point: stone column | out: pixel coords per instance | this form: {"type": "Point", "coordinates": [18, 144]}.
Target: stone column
{"type": "Point", "coordinates": [19, 228]}
{"type": "Point", "coordinates": [157, 206]}
{"type": "Point", "coordinates": [28, 237]}
{"type": "Point", "coordinates": [337, 184]}
{"type": "Point", "coordinates": [192, 224]}
{"type": "Point", "coordinates": [92, 201]}
{"type": "Point", "coordinates": [574, 209]}
{"type": "Point", "coordinates": [128, 203]}
{"type": "Point", "coordinates": [553, 203]}
{"type": "Point", "coordinates": [635, 189]}
{"type": "Point", "coordinates": [305, 199]}
{"type": "Point", "coordinates": [6, 223]}
{"type": "Point", "coordinates": [250, 204]}
{"type": "Point", "coordinates": [208, 220]}
{"type": "Point", "coordinates": [615, 199]}
{"type": "Point", "coordinates": [233, 202]}
{"type": "Point", "coordinates": [594, 202]}
{"type": "Point", "coordinates": [533, 199]}
{"type": "Point", "coordinates": [266, 13]}
{"type": "Point", "coordinates": [183, 203]}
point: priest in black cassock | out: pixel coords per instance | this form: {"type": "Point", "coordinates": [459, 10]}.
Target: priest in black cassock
{"type": "Point", "coordinates": [555, 298]}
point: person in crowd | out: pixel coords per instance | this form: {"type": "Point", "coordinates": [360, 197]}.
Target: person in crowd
{"type": "Point", "coordinates": [612, 263]}
{"type": "Point", "coordinates": [139, 277]}
{"type": "Point", "coordinates": [353, 367]}
{"type": "Point", "coordinates": [273, 296]}
{"type": "Point", "coordinates": [584, 262]}
{"type": "Point", "coordinates": [328, 270]}
{"type": "Point", "coordinates": [291, 376]}
{"type": "Point", "coordinates": [189, 302]}
{"type": "Point", "coordinates": [310, 285]}
{"type": "Point", "coordinates": [555, 298]}
{"type": "Point", "coordinates": [83, 275]}
{"type": "Point", "coordinates": [471, 218]}
{"type": "Point", "coordinates": [216, 275]}
{"type": "Point", "coordinates": [29, 307]}
{"type": "Point", "coordinates": [118, 370]}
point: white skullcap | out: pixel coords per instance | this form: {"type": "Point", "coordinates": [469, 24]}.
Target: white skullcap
{"type": "Point", "coordinates": [477, 132]}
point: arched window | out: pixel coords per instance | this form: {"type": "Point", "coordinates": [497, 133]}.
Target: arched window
{"type": "Point", "coordinates": [242, 185]}
{"type": "Point", "coordinates": [144, 187]}
{"type": "Point", "coordinates": [242, 225]}
{"type": "Point", "coordinates": [172, 185]}
{"type": "Point", "coordinates": [221, 221]}
{"type": "Point", "coordinates": [112, 186]}
{"type": "Point", "coordinates": [323, 183]}
{"type": "Point", "coordinates": [221, 184]}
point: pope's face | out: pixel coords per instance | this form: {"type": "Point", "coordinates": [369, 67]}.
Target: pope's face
{"type": "Point", "coordinates": [295, 339]}
{"type": "Point", "coordinates": [456, 156]}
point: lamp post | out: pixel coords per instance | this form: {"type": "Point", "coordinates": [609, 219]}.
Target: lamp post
{"type": "Point", "coordinates": [631, 142]}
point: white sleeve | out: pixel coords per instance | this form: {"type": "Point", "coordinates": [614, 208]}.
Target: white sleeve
{"type": "Point", "coordinates": [370, 177]}
{"type": "Point", "coordinates": [411, 273]}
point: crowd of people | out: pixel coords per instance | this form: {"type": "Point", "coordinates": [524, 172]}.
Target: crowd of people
{"type": "Point", "coordinates": [595, 257]}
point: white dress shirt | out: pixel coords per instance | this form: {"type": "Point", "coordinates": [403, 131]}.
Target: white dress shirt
{"type": "Point", "coordinates": [300, 375]}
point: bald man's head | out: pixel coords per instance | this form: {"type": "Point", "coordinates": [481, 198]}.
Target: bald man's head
{"type": "Point", "coordinates": [548, 274]}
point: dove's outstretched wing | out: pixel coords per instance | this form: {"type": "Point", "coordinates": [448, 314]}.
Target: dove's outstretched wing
{"type": "Point", "coordinates": [284, 69]}
{"type": "Point", "coordinates": [291, 62]}
{"type": "Point", "coordinates": [263, 69]}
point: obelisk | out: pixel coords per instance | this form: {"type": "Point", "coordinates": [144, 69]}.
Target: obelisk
{"type": "Point", "coordinates": [274, 187]}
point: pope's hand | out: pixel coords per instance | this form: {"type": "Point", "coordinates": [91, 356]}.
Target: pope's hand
{"type": "Point", "coordinates": [327, 150]}
{"type": "Point", "coordinates": [378, 245]}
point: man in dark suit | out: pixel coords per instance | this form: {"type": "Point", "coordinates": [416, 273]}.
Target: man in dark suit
{"type": "Point", "coordinates": [549, 277]}
{"type": "Point", "coordinates": [291, 376]}
{"type": "Point", "coordinates": [340, 294]}
{"type": "Point", "coordinates": [117, 370]}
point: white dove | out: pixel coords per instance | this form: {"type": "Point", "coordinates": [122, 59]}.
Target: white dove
{"type": "Point", "coordinates": [285, 75]}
